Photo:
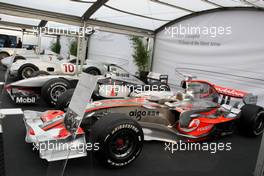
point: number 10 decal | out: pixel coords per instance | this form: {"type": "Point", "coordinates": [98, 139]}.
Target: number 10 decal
{"type": "Point", "coordinates": [68, 68]}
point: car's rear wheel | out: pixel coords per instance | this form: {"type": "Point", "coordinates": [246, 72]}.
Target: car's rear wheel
{"type": "Point", "coordinates": [252, 120]}
{"type": "Point", "coordinates": [92, 71]}
{"type": "Point", "coordinates": [26, 71]}
{"type": "Point", "coordinates": [53, 89]}
{"type": "Point", "coordinates": [120, 140]}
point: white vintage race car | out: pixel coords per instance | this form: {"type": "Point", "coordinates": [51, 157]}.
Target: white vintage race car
{"type": "Point", "coordinates": [10, 55]}
{"type": "Point", "coordinates": [20, 54]}
{"type": "Point", "coordinates": [56, 65]}
{"type": "Point", "coordinates": [45, 64]}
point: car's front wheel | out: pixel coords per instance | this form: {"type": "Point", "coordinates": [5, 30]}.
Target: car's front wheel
{"type": "Point", "coordinates": [120, 140]}
{"type": "Point", "coordinates": [92, 71]}
{"type": "Point", "coordinates": [252, 120]}
{"type": "Point", "coordinates": [26, 71]}
{"type": "Point", "coordinates": [53, 89]}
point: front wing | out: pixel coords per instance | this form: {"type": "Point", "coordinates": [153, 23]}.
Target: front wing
{"type": "Point", "coordinates": [53, 144]}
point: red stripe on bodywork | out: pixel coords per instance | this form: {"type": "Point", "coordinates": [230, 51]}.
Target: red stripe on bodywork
{"type": "Point", "coordinates": [230, 92]}
{"type": "Point", "coordinates": [219, 119]}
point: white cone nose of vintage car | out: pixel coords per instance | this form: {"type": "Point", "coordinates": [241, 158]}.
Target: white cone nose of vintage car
{"type": "Point", "coordinates": [8, 61]}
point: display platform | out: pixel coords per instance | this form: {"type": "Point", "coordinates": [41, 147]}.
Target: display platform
{"type": "Point", "coordinates": [21, 160]}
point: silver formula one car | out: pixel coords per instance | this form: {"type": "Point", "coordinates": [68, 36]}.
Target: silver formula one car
{"type": "Point", "coordinates": [51, 87]}
{"type": "Point", "coordinates": [116, 86]}
{"type": "Point", "coordinates": [117, 128]}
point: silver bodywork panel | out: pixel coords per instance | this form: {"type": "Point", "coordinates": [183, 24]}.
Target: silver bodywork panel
{"type": "Point", "coordinates": [40, 81]}
{"type": "Point", "coordinates": [157, 118]}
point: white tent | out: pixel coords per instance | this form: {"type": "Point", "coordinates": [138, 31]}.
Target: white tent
{"type": "Point", "coordinates": [117, 19]}
{"type": "Point", "coordinates": [137, 15]}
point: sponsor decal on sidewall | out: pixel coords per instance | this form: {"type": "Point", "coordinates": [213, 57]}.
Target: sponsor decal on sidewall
{"type": "Point", "coordinates": [25, 100]}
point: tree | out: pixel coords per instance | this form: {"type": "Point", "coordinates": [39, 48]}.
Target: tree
{"type": "Point", "coordinates": [141, 55]}
{"type": "Point", "coordinates": [73, 48]}
{"type": "Point", "coordinates": [56, 47]}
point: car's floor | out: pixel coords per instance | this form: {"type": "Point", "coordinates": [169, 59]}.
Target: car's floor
{"type": "Point", "coordinates": [21, 160]}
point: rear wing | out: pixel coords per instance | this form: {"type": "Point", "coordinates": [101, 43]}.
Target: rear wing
{"type": "Point", "coordinates": [228, 93]}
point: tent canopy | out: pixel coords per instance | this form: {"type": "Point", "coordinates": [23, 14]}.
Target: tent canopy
{"type": "Point", "coordinates": [138, 16]}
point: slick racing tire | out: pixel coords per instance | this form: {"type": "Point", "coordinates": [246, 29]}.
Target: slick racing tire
{"type": "Point", "coordinates": [252, 120]}
{"type": "Point", "coordinates": [26, 70]}
{"type": "Point", "coordinates": [53, 89]}
{"type": "Point", "coordinates": [92, 71]}
{"type": "Point", "coordinates": [64, 100]}
{"type": "Point", "coordinates": [120, 140]}
{"type": "Point", "coordinates": [158, 86]}
{"type": "Point", "coordinates": [39, 73]}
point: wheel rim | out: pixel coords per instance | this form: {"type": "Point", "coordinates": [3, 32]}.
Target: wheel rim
{"type": "Point", "coordinates": [259, 123]}
{"type": "Point", "coordinates": [123, 144]}
{"type": "Point", "coordinates": [56, 91]}
{"type": "Point", "coordinates": [27, 72]}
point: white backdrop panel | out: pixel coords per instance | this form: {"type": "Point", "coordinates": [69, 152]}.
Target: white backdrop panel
{"type": "Point", "coordinates": [237, 59]}
{"type": "Point", "coordinates": [112, 48]}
